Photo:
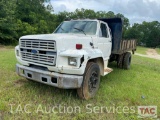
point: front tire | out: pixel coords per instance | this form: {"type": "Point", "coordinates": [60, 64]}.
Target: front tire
{"type": "Point", "coordinates": [91, 80]}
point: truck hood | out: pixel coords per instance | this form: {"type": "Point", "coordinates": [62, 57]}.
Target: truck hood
{"type": "Point", "coordinates": [64, 41]}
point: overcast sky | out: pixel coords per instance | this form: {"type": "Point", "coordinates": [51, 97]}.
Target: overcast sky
{"type": "Point", "coordinates": [136, 10]}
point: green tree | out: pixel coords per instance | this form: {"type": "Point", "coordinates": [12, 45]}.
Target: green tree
{"type": "Point", "coordinates": [147, 33]}
{"type": "Point", "coordinates": [21, 17]}
{"type": "Point", "coordinates": [7, 21]}
{"type": "Point", "coordinates": [34, 16]}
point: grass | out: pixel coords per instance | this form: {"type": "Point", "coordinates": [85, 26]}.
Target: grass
{"type": "Point", "coordinates": [141, 50]}
{"type": "Point", "coordinates": [158, 50]}
{"type": "Point", "coordinates": [135, 87]}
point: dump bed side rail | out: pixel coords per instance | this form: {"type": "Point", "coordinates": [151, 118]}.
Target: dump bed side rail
{"type": "Point", "coordinates": [126, 45]}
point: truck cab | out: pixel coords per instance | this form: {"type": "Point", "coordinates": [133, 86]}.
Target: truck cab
{"type": "Point", "coordinates": [74, 56]}
{"type": "Point", "coordinates": [98, 31]}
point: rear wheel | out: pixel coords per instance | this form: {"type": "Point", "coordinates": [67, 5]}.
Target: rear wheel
{"type": "Point", "coordinates": [127, 60]}
{"type": "Point", "coordinates": [120, 61]}
{"type": "Point", "coordinates": [91, 80]}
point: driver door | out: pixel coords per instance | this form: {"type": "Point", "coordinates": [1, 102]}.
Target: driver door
{"type": "Point", "coordinates": [105, 40]}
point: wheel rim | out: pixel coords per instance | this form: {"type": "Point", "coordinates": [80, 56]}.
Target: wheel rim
{"type": "Point", "coordinates": [93, 81]}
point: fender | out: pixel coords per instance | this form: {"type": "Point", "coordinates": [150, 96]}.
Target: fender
{"type": "Point", "coordinates": [88, 54]}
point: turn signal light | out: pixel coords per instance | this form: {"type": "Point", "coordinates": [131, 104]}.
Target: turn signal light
{"type": "Point", "coordinates": [78, 46]}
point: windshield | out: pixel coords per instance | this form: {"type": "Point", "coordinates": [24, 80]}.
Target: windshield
{"type": "Point", "coordinates": [79, 27]}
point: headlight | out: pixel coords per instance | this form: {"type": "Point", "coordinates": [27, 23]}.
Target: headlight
{"type": "Point", "coordinates": [72, 61]}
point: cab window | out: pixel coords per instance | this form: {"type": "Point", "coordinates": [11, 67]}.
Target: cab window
{"type": "Point", "coordinates": [104, 32]}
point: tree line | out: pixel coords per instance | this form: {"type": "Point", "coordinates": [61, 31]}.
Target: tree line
{"type": "Point", "coordinates": [23, 17]}
{"type": "Point", "coordinates": [147, 34]}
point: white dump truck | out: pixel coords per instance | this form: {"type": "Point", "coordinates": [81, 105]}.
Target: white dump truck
{"type": "Point", "coordinates": [75, 55]}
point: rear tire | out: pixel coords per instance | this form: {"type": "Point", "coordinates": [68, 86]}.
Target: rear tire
{"type": "Point", "coordinates": [120, 61]}
{"type": "Point", "coordinates": [91, 80]}
{"type": "Point", "coordinates": [127, 60]}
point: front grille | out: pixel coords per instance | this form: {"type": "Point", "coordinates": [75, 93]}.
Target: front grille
{"type": "Point", "coordinates": [40, 44]}
{"type": "Point", "coordinates": [38, 51]}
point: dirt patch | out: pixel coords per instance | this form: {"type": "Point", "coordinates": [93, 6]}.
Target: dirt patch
{"type": "Point", "coordinates": [1, 115]}
{"type": "Point", "coordinates": [20, 82]}
{"type": "Point", "coordinates": [2, 47]}
{"type": "Point", "coordinates": [151, 53]}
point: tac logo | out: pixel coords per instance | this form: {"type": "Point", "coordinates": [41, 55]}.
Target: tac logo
{"type": "Point", "coordinates": [147, 111]}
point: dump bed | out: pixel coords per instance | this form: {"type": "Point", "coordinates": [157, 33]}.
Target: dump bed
{"type": "Point", "coordinates": [119, 45]}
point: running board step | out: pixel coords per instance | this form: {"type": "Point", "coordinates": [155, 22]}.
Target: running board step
{"type": "Point", "coordinates": [107, 70]}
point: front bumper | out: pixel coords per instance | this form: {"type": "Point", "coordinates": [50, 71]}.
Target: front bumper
{"type": "Point", "coordinates": [50, 78]}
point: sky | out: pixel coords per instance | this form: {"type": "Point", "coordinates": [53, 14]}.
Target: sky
{"type": "Point", "coordinates": [136, 11]}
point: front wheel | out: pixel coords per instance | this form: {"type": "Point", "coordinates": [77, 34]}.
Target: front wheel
{"type": "Point", "coordinates": [91, 80]}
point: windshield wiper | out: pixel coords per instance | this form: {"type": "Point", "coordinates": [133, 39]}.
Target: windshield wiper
{"type": "Point", "coordinates": [80, 30]}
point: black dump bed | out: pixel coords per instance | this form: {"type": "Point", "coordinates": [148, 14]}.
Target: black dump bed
{"type": "Point", "coordinates": [119, 46]}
